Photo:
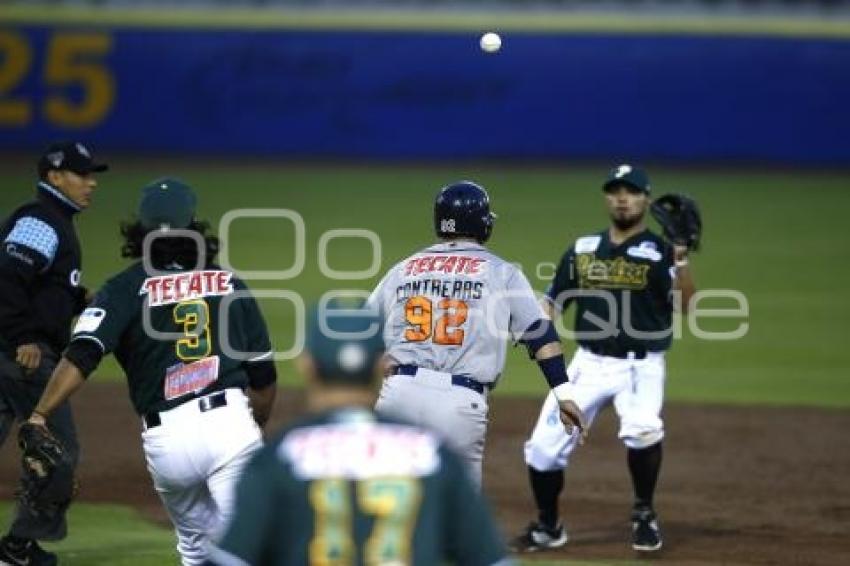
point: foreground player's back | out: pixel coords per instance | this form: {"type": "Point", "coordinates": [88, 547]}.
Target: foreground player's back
{"type": "Point", "coordinates": [347, 487]}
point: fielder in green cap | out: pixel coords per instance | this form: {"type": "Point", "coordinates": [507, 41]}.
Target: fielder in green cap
{"type": "Point", "coordinates": [625, 282]}
{"type": "Point", "coordinates": [194, 346]}
{"type": "Point", "coordinates": [344, 486]}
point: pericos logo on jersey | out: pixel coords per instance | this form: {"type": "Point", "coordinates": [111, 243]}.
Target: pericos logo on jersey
{"type": "Point", "coordinates": [170, 289]}
{"type": "Point", "coordinates": [614, 273]}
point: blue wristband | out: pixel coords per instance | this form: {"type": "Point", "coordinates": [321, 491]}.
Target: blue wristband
{"type": "Point", "coordinates": [539, 334]}
{"type": "Point", "coordinates": [555, 370]}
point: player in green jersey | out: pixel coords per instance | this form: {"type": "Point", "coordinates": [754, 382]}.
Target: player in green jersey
{"type": "Point", "coordinates": [625, 282]}
{"type": "Point", "coordinates": [194, 346]}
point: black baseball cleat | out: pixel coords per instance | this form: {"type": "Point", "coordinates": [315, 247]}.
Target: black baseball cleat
{"type": "Point", "coordinates": [646, 536]}
{"type": "Point", "coordinates": [538, 536]}
{"type": "Point", "coordinates": [25, 553]}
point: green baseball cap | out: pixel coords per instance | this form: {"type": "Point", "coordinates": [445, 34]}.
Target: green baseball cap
{"type": "Point", "coordinates": [345, 341]}
{"type": "Point", "coordinates": [628, 175]}
{"type": "Point", "coordinates": [167, 202]}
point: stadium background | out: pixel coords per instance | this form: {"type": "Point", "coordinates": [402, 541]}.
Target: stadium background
{"type": "Point", "coordinates": [353, 114]}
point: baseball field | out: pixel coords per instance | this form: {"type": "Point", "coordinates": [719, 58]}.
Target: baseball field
{"type": "Point", "coordinates": [758, 396]}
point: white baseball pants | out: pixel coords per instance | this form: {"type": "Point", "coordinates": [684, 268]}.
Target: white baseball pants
{"type": "Point", "coordinates": [636, 388]}
{"type": "Point", "coordinates": [195, 459]}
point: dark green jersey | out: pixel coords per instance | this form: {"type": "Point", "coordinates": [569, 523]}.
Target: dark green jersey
{"type": "Point", "coordinates": [177, 335]}
{"type": "Point", "coordinates": [622, 292]}
{"type": "Point", "coordinates": [348, 487]}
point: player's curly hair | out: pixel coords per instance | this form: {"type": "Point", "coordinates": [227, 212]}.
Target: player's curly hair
{"type": "Point", "coordinates": [164, 250]}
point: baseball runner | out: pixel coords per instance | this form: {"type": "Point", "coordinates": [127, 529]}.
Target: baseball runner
{"type": "Point", "coordinates": [344, 486]}
{"type": "Point", "coordinates": [191, 341]}
{"type": "Point", "coordinates": [620, 280]}
{"type": "Point", "coordinates": [40, 293]}
{"type": "Point", "coordinates": [450, 310]}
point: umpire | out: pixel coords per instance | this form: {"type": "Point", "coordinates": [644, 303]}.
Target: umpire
{"type": "Point", "coordinates": [40, 293]}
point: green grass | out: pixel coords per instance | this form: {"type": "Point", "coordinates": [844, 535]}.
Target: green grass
{"type": "Point", "coordinates": [778, 237]}
{"type": "Point", "coordinates": [114, 535]}
{"type": "Point", "coordinates": [458, 21]}
{"type": "Point", "coordinates": [111, 535]}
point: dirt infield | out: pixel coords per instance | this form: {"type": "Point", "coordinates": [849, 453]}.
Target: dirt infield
{"type": "Point", "coordinates": [740, 485]}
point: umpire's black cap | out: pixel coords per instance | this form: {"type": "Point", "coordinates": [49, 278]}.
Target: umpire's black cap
{"type": "Point", "coordinates": [71, 156]}
{"type": "Point", "coordinates": [630, 175]}
{"type": "Point", "coordinates": [345, 341]}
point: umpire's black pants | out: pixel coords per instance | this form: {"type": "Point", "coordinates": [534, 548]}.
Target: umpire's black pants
{"type": "Point", "coordinates": [19, 394]}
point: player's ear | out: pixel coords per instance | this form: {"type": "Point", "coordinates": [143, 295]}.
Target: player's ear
{"type": "Point", "coordinates": [55, 177]}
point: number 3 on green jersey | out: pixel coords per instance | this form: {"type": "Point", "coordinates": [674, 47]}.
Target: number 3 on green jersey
{"type": "Point", "coordinates": [195, 317]}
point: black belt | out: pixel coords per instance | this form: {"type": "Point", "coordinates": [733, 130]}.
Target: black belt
{"type": "Point", "coordinates": [460, 380]}
{"type": "Point", "coordinates": [617, 352]}
{"type": "Point", "coordinates": [208, 403]}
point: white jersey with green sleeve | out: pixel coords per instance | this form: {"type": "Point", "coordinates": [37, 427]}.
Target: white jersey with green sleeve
{"type": "Point", "coordinates": [453, 307]}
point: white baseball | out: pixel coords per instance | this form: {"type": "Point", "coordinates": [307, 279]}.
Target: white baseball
{"type": "Point", "coordinates": [491, 42]}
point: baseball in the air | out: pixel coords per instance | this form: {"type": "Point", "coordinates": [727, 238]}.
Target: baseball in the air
{"type": "Point", "coordinates": [491, 42]}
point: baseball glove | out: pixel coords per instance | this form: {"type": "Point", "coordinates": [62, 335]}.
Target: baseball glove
{"type": "Point", "coordinates": [679, 218]}
{"type": "Point", "coordinates": [47, 481]}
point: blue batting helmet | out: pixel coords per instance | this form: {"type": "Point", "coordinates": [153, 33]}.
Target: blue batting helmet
{"type": "Point", "coordinates": [462, 209]}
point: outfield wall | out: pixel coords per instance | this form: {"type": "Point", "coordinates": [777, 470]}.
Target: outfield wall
{"type": "Point", "coordinates": [401, 92]}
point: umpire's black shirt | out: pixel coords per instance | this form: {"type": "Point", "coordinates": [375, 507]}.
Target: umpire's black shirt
{"type": "Point", "coordinates": [40, 265]}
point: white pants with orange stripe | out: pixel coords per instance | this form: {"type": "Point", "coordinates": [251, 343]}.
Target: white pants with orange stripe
{"type": "Point", "coordinates": [634, 386]}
